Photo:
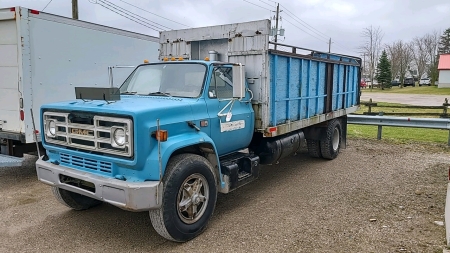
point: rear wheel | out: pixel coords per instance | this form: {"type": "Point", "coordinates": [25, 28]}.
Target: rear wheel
{"type": "Point", "coordinates": [331, 144]}
{"type": "Point", "coordinates": [189, 198]}
{"type": "Point", "coordinates": [314, 148]}
{"type": "Point", "coordinates": [74, 200]}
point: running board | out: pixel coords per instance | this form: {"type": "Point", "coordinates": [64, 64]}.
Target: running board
{"type": "Point", "coordinates": [10, 161]}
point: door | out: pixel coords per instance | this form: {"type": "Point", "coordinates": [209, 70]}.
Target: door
{"type": "Point", "coordinates": [232, 120]}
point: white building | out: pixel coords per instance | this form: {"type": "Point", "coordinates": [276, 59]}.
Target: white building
{"type": "Point", "coordinates": [444, 71]}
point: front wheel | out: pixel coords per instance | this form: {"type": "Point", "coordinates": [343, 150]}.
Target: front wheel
{"type": "Point", "coordinates": [189, 198]}
{"type": "Point", "coordinates": [331, 143]}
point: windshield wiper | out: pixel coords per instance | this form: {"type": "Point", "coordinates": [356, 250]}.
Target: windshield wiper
{"type": "Point", "coordinates": [128, 93]}
{"type": "Point", "coordinates": [159, 93]}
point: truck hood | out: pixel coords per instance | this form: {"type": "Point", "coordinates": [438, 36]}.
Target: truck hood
{"type": "Point", "coordinates": [129, 104]}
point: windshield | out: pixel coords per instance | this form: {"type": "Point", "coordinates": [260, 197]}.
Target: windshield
{"type": "Point", "coordinates": [166, 79]}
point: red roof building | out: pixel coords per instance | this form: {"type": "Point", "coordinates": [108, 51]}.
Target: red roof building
{"type": "Point", "coordinates": [444, 71]}
{"type": "Point", "coordinates": [444, 61]}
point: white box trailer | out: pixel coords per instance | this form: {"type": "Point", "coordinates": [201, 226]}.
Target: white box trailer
{"type": "Point", "coordinates": [43, 57]}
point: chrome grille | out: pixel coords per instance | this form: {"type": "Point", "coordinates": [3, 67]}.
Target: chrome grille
{"type": "Point", "coordinates": [85, 163]}
{"type": "Point", "coordinates": [93, 134]}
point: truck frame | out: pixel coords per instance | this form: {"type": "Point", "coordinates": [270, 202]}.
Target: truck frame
{"type": "Point", "coordinates": [43, 57]}
{"type": "Point", "coordinates": [186, 128]}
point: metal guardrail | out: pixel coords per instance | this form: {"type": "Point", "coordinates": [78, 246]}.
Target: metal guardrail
{"type": "Point", "coordinates": [381, 121]}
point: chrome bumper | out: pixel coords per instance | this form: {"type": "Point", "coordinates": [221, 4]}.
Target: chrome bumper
{"type": "Point", "coordinates": [132, 196]}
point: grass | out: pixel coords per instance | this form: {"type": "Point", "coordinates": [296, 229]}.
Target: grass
{"type": "Point", "coordinates": [384, 107]}
{"type": "Point", "coordinates": [399, 134]}
{"type": "Point", "coordinates": [428, 90]}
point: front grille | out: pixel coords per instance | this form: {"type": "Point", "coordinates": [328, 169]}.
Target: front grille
{"type": "Point", "coordinates": [88, 132]}
{"type": "Point", "coordinates": [85, 163]}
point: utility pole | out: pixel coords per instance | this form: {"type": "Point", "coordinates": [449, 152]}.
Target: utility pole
{"type": "Point", "coordinates": [329, 46]}
{"type": "Point", "coordinates": [276, 24]}
{"type": "Point", "coordinates": [75, 9]}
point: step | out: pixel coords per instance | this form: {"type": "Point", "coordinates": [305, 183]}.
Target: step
{"type": "Point", "coordinates": [10, 161]}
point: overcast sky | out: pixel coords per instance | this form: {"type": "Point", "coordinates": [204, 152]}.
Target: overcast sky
{"type": "Point", "coordinates": [342, 20]}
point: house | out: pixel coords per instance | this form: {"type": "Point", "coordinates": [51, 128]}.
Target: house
{"type": "Point", "coordinates": [444, 71]}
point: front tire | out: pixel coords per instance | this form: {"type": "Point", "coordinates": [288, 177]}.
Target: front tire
{"type": "Point", "coordinates": [331, 144]}
{"type": "Point", "coordinates": [74, 200]}
{"type": "Point", "coordinates": [189, 198]}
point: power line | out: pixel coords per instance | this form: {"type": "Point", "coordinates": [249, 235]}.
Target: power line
{"type": "Point", "coordinates": [159, 26]}
{"type": "Point", "coordinates": [128, 16]}
{"type": "Point", "coordinates": [154, 13]}
{"type": "Point", "coordinates": [47, 5]}
{"type": "Point", "coordinates": [305, 31]}
{"type": "Point", "coordinates": [256, 5]}
{"type": "Point", "coordinates": [262, 1]}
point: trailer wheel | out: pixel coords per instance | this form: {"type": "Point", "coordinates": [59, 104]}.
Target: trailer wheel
{"type": "Point", "coordinates": [314, 148]}
{"type": "Point", "coordinates": [74, 200]}
{"type": "Point", "coordinates": [331, 144]}
{"type": "Point", "coordinates": [189, 198]}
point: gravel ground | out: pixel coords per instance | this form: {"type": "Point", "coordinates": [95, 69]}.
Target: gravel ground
{"type": "Point", "coordinates": [375, 197]}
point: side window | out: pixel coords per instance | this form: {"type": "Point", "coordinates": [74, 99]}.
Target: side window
{"type": "Point", "coordinates": [221, 83]}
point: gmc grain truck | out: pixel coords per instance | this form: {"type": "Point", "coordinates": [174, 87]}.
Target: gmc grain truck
{"type": "Point", "coordinates": [221, 101]}
{"type": "Point", "coordinates": [43, 57]}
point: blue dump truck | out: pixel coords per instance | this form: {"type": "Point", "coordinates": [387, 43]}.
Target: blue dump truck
{"type": "Point", "coordinates": [221, 101]}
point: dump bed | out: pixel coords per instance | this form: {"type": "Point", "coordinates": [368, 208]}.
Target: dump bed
{"type": "Point", "coordinates": [44, 56]}
{"type": "Point", "coordinates": [292, 87]}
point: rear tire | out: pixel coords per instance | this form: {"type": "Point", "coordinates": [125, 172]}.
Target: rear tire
{"type": "Point", "coordinates": [314, 148]}
{"type": "Point", "coordinates": [189, 198]}
{"type": "Point", "coordinates": [331, 144]}
{"type": "Point", "coordinates": [74, 200]}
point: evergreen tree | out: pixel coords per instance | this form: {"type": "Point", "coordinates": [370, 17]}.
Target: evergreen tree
{"type": "Point", "coordinates": [444, 42]}
{"type": "Point", "coordinates": [383, 74]}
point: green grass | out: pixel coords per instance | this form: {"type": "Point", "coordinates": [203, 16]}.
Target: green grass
{"type": "Point", "coordinates": [429, 90]}
{"type": "Point", "coordinates": [398, 111]}
{"type": "Point", "coordinates": [399, 134]}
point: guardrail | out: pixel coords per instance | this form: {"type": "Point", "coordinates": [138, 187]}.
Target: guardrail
{"type": "Point", "coordinates": [381, 121]}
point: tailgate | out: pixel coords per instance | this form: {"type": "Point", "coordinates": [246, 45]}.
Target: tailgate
{"type": "Point", "coordinates": [9, 73]}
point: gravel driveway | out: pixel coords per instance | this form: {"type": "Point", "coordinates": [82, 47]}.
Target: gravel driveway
{"type": "Point", "coordinates": [375, 197]}
{"type": "Point", "coordinates": [409, 99]}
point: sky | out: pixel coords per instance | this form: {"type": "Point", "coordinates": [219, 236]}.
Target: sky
{"type": "Point", "coordinates": [307, 23]}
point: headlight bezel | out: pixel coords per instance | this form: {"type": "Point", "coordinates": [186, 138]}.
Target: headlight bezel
{"type": "Point", "coordinates": [51, 124]}
{"type": "Point", "coordinates": [114, 142]}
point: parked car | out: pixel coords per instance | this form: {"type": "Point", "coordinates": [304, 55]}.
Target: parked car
{"type": "Point", "coordinates": [425, 81]}
{"type": "Point", "coordinates": [395, 82]}
{"type": "Point", "coordinates": [363, 83]}
{"type": "Point", "coordinates": [409, 81]}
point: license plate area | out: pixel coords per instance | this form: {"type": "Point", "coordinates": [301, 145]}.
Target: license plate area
{"type": "Point", "coordinates": [75, 182]}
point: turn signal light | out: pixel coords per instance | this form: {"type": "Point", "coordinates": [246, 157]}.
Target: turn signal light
{"type": "Point", "coordinates": [161, 135]}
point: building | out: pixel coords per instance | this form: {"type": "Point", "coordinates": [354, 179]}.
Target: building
{"type": "Point", "coordinates": [444, 71]}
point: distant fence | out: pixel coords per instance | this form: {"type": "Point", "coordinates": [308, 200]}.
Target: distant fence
{"type": "Point", "coordinates": [444, 109]}
{"type": "Point", "coordinates": [381, 121]}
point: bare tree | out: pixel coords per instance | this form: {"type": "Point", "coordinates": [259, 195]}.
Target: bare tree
{"type": "Point", "coordinates": [420, 56]}
{"type": "Point", "coordinates": [401, 56]}
{"type": "Point", "coordinates": [431, 41]}
{"type": "Point", "coordinates": [372, 48]}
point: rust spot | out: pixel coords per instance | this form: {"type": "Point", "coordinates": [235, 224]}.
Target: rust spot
{"type": "Point", "coordinates": [238, 35]}
{"type": "Point", "coordinates": [230, 40]}
{"type": "Point", "coordinates": [258, 32]}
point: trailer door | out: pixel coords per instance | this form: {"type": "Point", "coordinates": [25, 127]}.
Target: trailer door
{"type": "Point", "coordinates": [9, 72]}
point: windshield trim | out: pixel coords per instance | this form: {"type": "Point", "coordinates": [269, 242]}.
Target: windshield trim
{"type": "Point", "coordinates": [171, 62]}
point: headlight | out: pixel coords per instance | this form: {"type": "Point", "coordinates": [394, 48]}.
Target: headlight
{"type": "Point", "coordinates": [119, 136]}
{"type": "Point", "coordinates": [51, 128]}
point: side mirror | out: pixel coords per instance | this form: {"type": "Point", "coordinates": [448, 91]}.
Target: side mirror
{"type": "Point", "coordinates": [238, 81]}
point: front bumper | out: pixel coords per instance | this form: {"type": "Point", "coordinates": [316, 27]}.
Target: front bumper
{"type": "Point", "coordinates": [132, 196]}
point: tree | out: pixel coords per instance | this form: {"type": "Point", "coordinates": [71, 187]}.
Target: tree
{"type": "Point", "coordinates": [444, 42]}
{"type": "Point", "coordinates": [420, 56]}
{"type": "Point", "coordinates": [401, 56]}
{"type": "Point", "coordinates": [372, 47]}
{"type": "Point", "coordinates": [383, 74]}
{"type": "Point", "coordinates": [431, 45]}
